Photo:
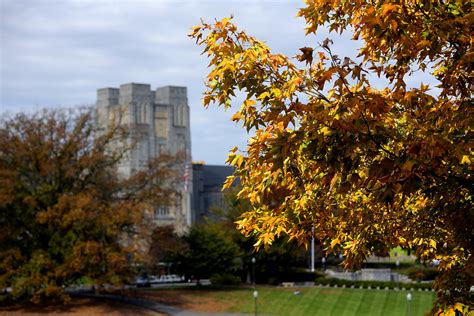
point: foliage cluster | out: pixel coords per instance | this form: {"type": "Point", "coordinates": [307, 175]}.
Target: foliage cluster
{"type": "Point", "coordinates": [65, 213]}
{"type": "Point", "coordinates": [367, 168]}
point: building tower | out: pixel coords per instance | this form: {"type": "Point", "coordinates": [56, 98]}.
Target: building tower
{"type": "Point", "coordinates": [158, 122]}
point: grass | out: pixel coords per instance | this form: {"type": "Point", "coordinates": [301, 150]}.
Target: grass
{"type": "Point", "coordinates": [315, 301]}
{"type": "Point", "coordinates": [399, 251]}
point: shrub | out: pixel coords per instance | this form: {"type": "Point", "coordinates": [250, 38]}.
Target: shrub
{"type": "Point", "coordinates": [225, 279]}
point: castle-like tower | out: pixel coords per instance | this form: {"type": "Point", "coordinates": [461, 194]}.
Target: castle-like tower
{"type": "Point", "coordinates": [158, 122]}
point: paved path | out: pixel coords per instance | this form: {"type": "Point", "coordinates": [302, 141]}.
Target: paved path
{"type": "Point", "coordinates": [154, 306]}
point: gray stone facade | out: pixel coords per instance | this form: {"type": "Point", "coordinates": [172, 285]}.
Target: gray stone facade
{"type": "Point", "coordinates": [158, 122]}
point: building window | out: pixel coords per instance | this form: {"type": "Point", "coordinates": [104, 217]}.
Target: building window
{"type": "Point", "coordinates": [162, 211]}
{"type": "Point", "coordinates": [180, 116]}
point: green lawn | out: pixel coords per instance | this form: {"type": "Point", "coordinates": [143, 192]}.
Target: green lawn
{"type": "Point", "coordinates": [320, 301]}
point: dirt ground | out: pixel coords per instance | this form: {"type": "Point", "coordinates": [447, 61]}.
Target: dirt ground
{"type": "Point", "coordinates": [77, 307]}
{"type": "Point", "coordinates": [185, 299]}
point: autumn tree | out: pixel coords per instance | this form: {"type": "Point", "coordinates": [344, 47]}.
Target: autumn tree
{"type": "Point", "coordinates": [65, 213]}
{"type": "Point", "coordinates": [369, 168]}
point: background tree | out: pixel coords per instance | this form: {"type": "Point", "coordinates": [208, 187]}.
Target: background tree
{"type": "Point", "coordinates": [165, 247]}
{"type": "Point", "coordinates": [209, 252]}
{"type": "Point", "coordinates": [370, 168]}
{"type": "Point", "coordinates": [65, 213]}
{"type": "Point", "coordinates": [281, 261]}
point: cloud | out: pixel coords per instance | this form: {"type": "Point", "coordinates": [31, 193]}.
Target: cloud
{"type": "Point", "coordinates": [60, 52]}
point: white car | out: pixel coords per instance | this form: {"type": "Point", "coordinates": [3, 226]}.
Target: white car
{"type": "Point", "coordinates": [170, 278]}
{"type": "Point", "coordinates": [154, 279]}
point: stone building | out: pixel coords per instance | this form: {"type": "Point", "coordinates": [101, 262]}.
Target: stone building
{"type": "Point", "coordinates": [158, 122]}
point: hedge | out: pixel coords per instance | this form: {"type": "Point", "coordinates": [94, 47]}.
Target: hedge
{"type": "Point", "coordinates": [225, 279]}
{"type": "Point", "coordinates": [372, 284]}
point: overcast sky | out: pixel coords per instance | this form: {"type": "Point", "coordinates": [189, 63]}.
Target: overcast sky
{"type": "Point", "coordinates": [59, 52]}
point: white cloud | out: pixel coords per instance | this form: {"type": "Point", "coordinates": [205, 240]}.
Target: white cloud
{"type": "Point", "coordinates": [59, 52]}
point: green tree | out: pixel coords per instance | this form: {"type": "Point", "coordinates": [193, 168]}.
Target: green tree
{"type": "Point", "coordinates": [65, 214]}
{"type": "Point", "coordinates": [370, 168]}
{"type": "Point", "coordinates": [210, 251]}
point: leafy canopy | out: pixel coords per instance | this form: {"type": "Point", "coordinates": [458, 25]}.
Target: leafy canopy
{"type": "Point", "coordinates": [65, 214]}
{"type": "Point", "coordinates": [209, 252]}
{"type": "Point", "coordinates": [370, 168]}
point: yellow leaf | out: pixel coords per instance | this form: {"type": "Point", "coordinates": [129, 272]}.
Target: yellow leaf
{"type": "Point", "coordinates": [433, 243]}
{"type": "Point", "coordinates": [276, 92]}
{"type": "Point", "coordinates": [465, 160]}
{"type": "Point", "coordinates": [228, 182]}
{"type": "Point", "coordinates": [258, 243]}
{"type": "Point", "coordinates": [249, 102]}
{"type": "Point", "coordinates": [263, 96]}
{"type": "Point", "coordinates": [237, 116]}
{"type": "Point", "coordinates": [326, 131]}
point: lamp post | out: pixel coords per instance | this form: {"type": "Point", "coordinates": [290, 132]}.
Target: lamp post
{"type": "Point", "coordinates": [398, 273]}
{"type": "Point", "coordinates": [253, 272]}
{"type": "Point", "coordinates": [312, 248]}
{"type": "Point", "coordinates": [255, 295]}
{"type": "Point", "coordinates": [409, 297]}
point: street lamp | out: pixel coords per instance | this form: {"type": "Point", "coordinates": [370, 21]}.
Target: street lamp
{"type": "Point", "coordinates": [253, 271]}
{"type": "Point", "coordinates": [255, 295]}
{"type": "Point", "coordinates": [312, 248]}
{"type": "Point", "coordinates": [398, 273]}
{"type": "Point", "coordinates": [409, 304]}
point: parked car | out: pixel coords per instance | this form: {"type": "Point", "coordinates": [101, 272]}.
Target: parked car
{"type": "Point", "coordinates": [154, 279]}
{"type": "Point", "coordinates": [175, 278]}
{"type": "Point", "coordinates": [142, 281]}
{"type": "Point", "coordinates": [170, 278]}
